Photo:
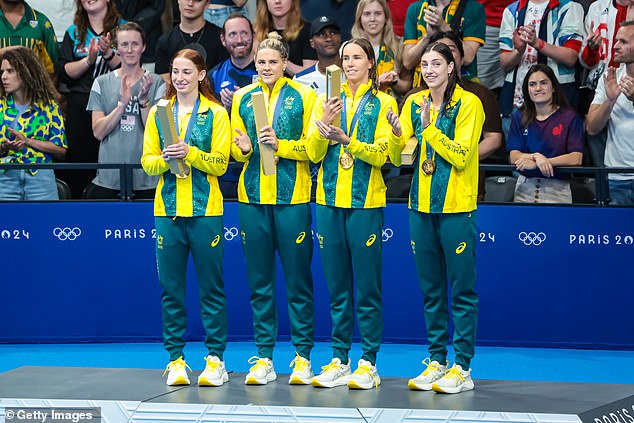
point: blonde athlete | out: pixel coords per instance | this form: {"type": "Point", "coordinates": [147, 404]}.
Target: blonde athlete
{"type": "Point", "coordinates": [447, 121]}
{"type": "Point", "coordinates": [350, 202]}
{"type": "Point", "coordinates": [188, 213]}
{"type": "Point", "coordinates": [274, 210]}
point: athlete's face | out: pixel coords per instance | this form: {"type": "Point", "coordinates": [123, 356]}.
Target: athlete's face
{"type": "Point", "coordinates": [11, 82]}
{"type": "Point", "coordinates": [238, 38]}
{"type": "Point", "coordinates": [186, 76]}
{"type": "Point", "coordinates": [540, 88]}
{"type": "Point", "coordinates": [356, 64]}
{"type": "Point", "coordinates": [435, 69]}
{"type": "Point", "coordinates": [373, 19]}
{"type": "Point", "coordinates": [270, 65]}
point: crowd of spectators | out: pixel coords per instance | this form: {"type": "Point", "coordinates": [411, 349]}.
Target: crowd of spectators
{"type": "Point", "coordinates": [576, 110]}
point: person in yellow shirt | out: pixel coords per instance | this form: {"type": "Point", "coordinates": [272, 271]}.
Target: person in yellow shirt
{"type": "Point", "coordinates": [447, 122]}
{"type": "Point", "coordinates": [274, 210]}
{"type": "Point", "coordinates": [188, 213]}
{"type": "Point", "coordinates": [351, 196]}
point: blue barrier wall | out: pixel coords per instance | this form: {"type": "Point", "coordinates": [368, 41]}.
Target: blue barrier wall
{"type": "Point", "coordinates": [547, 276]}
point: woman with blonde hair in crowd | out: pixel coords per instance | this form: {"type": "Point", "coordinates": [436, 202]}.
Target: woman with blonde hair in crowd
{"type": "Point", "coordinates": [274, 209]}
{"type": "Point", "coordinates": [85, 53]}
{"type": "Point", "coordinates": [373, 21]}
{"type": "Point", "coordinates": [285, 18]}
{"type": "Point", "coordinates": [188, 212]}
{"type": "Point", "coordinates": [31, 127]}
{"type": "Point", "coordinates": [351, 196]}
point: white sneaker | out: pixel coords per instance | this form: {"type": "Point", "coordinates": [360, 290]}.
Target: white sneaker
{"type": "Point", "coordinates": [177, 372]}
{"type": "Point", "coordinates": [455, 380]}
{"type": "Point", "coordinates": [215, 373]}
{"type": "Point", "coordinates": [302, 371]}
{"type": "Point", "coordinates": [433, 372]}
{"type": "Point", "coordinates": [261, 373]}
{"type": "Point", "coordinates": [365, 377]}
{"type": "Point", "coordinates": [333, 374]}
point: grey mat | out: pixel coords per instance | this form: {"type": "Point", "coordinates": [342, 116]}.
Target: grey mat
{"type": "Point", "coordinates": [147, 386]}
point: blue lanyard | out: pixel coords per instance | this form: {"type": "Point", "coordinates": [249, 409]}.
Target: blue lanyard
{"type": "Point", "coordinates": [192, 119]}
{"type": "Point", "coordinates": [278, 106]}
{"type": "Point", "coordinates": [357, 113]}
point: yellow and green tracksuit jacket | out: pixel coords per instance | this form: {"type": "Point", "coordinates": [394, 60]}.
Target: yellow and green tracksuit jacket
{"type": "Point", "coordinates": [454, 136]}
{"type": "Point", "coordinates": [291, 182]}
{"type": "Point", "coordinates": [198, 194]}
{"type": "Point", "coordinates": [362, 185]}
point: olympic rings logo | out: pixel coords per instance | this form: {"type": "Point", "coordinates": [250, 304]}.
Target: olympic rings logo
{"type": "Point", "coordinates": [67, 234]}
{"type": "Point", "coordinates": [532, 238]}
{"type": "Point", "coordinates": [231, 233]}
{"type": "Point", "coordinates": [386, 234]}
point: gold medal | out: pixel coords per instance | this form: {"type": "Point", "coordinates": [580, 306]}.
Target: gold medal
{"type": "Point", "coordinates": [346, 160]}
{"type": "Point", "coordinates": [428, 166]}
{"type": "Point", "coordinates": [276, 159]}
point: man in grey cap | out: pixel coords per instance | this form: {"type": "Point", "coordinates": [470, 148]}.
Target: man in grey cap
{"type": "Point", "coordinates": [326, 40]}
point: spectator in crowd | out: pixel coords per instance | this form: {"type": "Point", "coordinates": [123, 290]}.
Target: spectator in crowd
{"type": "Point", "coordinates": [120, 102]}
{"type": "Point", "coordinates": [188, 214]}
{"type": "Point", "coordinates": [545, 133]}
{"type": "Point", "coordinates": [539, 31]}
{"type": "Point", "coordinates": [285, 17]}
{"type": "Point", "coordinates": [234, 73]}
{"type": "Point", "coordinates": [492, 138]}
{"type": "Point", "coordinates": [326, 40]}
{"type": "Point", "coordinates": [21, 25]}
{"type": "Point", "coordinates": [341, 11]}
{"type": "Point", "coordinates": [146, 13]}
{"type": "Point", "coordinates": [351, 196]}
{"type": "Point", "coordinates": [218, 11]}
{"type": "Point", "coordinates": [85, 53]}
{"type": "Point", "coordinates": [603, 20]}
{"type": "Point", "coordinates": [612, 107]}
{"type": "Point", "coordinates": [447, 122]}
{"type": "Point", "coordinates": [239, 69]}
{"type": "Point", "coordinates": [192, 32]}
{"type": "Point", "coordinates": [426, 17]}
{"type": "Point", "coordinates": [490, 72]}
{"type": "Point", "coordinates": [31, 127]}
{"type": "Point", "coordinates": [373, 21]}
{"type": "Point", "coordinates": [274, 210]}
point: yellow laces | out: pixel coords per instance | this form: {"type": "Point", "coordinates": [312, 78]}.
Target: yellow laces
{"type": "Point", "coordinates": [176, 365]}
{"type": "Point", "coordinates": [332, 366]}
{"type": "Point", "coordinates": [431, 367]}
{"type": "Point", "coordinates": [211, 365]}
{"type": "Point", "coordinates": [453, 373]}
{"type": "Point", "coordinates": [299, 362]}
{"type": "Point", "coordinates": [257, 363]}
{"type": "Point", "coordinates": [361, 370]}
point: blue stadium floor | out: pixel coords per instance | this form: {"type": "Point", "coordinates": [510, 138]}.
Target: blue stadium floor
{"type": "Point", "coordinates": [397, 360]}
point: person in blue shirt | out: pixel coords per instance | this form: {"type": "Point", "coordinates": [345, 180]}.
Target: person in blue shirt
{"type": "Point", "coordinates": [238, 70]}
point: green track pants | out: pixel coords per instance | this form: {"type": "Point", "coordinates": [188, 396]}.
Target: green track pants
{"type": "Point", "coordinates": [204, 238]}
{"type": "Point", "coordinates": [350, 246]}
{"type": "Point", "coordinates": [285, 228]}
{"type": "Point", "coordinates": [444, 252]}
